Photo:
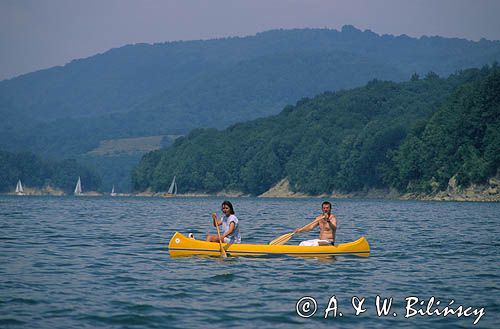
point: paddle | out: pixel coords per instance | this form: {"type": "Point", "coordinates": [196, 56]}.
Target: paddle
{"type": "Point", "coordinates": [222, 251]}
{"type": "Point", "coordinates": [285, 237]}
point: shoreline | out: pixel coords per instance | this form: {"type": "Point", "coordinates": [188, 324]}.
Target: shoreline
{"type": "Point", "coordinates": [474, 193]}
{"type": "Point", "coordinates": [372, 195]}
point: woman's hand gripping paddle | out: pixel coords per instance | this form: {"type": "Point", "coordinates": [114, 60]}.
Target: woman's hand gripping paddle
{"type": "Point", "coordinates": [222, 251]}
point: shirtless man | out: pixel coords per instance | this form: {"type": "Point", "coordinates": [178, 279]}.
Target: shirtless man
{"type": "Point", "coordinates": [327, 223]}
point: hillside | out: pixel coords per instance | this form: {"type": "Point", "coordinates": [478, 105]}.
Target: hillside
{"type": "Point", "coordinates": [413, 136]}
{"type": "Point", "coordinates": [37, 174]}
{"type": "Point", "coordinates": [171, 88]}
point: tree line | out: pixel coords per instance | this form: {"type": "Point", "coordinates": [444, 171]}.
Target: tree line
{"type": "Point", "coordinates": [413, 136]}
{"type": "Point", "coordinates": [36, 172]}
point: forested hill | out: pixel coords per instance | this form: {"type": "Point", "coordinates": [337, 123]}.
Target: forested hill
{"type": "Point", "coordinates": [37, 173]}
{"type": "Point", "coordinates": [171, 88]}
{"type": "Point", "coordinates": [413, 136]}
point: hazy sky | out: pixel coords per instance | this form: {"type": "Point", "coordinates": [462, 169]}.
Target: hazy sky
{"type": "Point", "coordinates": [36, 34]}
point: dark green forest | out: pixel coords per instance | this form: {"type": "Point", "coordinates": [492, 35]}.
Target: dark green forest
{"type": "Point", "coordinates": [413, 136]}
{"type": "Point", "coordinates": [461, 140]}
{"type": "Point", "coordinates": [36, 172]}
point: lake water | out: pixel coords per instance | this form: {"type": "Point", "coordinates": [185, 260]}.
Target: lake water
{"type": "Point", "coordinates": [89, 262]}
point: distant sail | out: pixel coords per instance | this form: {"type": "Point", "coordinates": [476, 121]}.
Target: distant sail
{"type": "Point", "coordinates": [113, 191]}
{"type": "Point", "coordinates": [173, 187]}
{"type": "Point", "coordinates": [78, 187]}
{"type": "Point", "coordinates": [19, 188]}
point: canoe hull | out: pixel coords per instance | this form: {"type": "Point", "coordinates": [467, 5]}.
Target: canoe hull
{"type": "Point", "coordinates": [180, 245]}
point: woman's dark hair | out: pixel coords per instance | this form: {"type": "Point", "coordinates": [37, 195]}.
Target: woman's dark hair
{"type": "Point", "coordinates": [227, 203]}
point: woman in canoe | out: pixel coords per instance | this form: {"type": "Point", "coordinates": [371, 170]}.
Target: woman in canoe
{"type": "Point", "coordinates": [230, 228]}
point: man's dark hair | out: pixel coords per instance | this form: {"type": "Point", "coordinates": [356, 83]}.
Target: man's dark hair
{"type": "Point", "coordinates": [328, 203]}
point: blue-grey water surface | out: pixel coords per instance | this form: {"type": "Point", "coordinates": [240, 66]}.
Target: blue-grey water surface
{"type": "Point", "coordinates": [90, 262]}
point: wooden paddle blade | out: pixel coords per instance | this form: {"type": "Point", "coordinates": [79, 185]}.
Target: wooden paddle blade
{"type": "Point", "coordinates": [282, 239]}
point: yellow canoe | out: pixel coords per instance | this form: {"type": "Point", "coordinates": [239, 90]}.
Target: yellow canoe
{"type": "Point", "coordinates": [181, 245]}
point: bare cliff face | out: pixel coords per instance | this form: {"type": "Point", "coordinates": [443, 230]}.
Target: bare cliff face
{"type": "Point", "coordinates": [488, 193]}
{"type": "Point", "coordinates": [282, 190]}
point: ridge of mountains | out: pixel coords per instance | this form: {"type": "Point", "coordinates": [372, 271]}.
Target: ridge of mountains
{"type": "Point", "coordinates": [171, 88]}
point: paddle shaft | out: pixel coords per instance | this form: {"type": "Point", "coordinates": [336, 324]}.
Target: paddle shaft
{"type": "Point", "coordinates": [222, 251]}
{"type": "Point", "coordinates": [305, 226]}
{"type": "Point", "coordinates": [285, 237]}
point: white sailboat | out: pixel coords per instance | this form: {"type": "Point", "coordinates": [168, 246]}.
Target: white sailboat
{"type": "Point", "coordinates": [78, 187]}
{"type": "Point", "coordinates": [113, 191]}
{"type": "Point", "coordinates": [172, 190]}
{"type": "Point", "coordinates": [19, 188]}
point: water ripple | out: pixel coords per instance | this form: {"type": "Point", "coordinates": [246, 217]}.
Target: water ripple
{"type": "Point", "coordinates": [103, 262]}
